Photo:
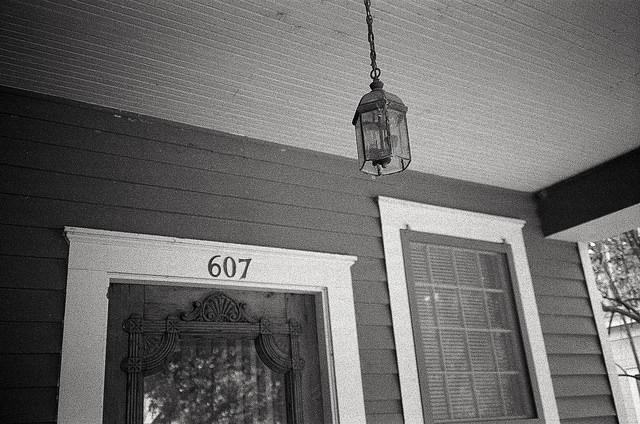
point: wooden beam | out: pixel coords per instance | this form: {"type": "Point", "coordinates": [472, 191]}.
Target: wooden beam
{"type": "Point", "coordinates": [592, 194]}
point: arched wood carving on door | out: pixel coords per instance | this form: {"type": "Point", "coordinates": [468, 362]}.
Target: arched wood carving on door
{"type": "Point", "coordinates": [216, 316]}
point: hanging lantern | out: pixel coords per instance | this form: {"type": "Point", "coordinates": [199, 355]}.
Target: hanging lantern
{"type": "Point", "coordinates": [381, 124]}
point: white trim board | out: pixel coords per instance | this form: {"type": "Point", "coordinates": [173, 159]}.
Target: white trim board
{"type": "Point", "coordinates": [398, 214]}
{"type": "Point", "coordinates": [98, 257]}
{"type": "Point", "coordinates": [598, 315]}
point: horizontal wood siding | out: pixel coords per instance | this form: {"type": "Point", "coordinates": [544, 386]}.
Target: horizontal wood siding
{"type": "Point", "coordinates": [580, 380]}
{"type": "Point", "coordinates": [68, 164]}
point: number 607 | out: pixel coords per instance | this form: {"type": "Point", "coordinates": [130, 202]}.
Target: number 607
{"type": "Point", "coordinates": [217, 266]}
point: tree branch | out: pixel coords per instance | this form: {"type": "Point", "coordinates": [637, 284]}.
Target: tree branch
{"type": "Point", "coordinates": [625, 303]}
{"type": "Point", "coordinates": [626, 374]}
{"type": "Point", "coordinates": [625, 312]}
{"type": "Point", "coordinates": [633, 239]}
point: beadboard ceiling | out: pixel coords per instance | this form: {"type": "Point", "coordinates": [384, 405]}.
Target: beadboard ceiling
{"type": "Point", "coordinates": [515, 94]}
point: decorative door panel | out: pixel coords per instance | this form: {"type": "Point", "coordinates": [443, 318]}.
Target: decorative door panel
{"type": "Point", "coordinates": [191, 355]}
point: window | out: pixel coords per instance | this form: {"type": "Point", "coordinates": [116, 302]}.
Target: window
{"type": "Point", "coordinates": [471, 361]}
{"type": "Point", "coordinates": [454, 374]}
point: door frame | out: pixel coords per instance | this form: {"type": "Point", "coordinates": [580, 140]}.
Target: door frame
{"type": "Point", "coordinates": [98, 258]}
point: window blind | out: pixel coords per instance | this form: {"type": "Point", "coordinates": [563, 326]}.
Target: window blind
{"type": "Point", "coordinates": [470, 353]}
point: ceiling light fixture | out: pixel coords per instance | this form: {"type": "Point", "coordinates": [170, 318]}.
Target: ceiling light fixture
{"type": "Point", "coordinates": [381, 123]}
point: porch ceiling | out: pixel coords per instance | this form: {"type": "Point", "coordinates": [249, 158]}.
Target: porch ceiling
{"type": "Point", "coordinates": [515, 94]}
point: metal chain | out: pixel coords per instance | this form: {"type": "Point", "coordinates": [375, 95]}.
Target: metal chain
{"type": "Point", "coordinates": [375, 71]}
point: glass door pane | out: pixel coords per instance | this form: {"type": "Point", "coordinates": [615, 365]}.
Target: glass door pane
{"type": "Point", "coordinates": [218, 380]}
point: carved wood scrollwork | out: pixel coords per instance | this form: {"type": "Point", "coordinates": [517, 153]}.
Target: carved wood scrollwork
{"type": "Point", "coordinates": [151, 343]}
{"type": "Point", "coordinates": [217, 307]}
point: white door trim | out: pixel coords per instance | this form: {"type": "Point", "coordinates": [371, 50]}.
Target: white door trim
{"type": "Point", "coordinates": [96, 257]}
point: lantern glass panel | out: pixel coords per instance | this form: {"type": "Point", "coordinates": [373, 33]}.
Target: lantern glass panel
{"type": "Point", "coordinates": [398, 134]}
{"type": "Point", "coordinates": [359, 141]}
{"type": "Point", "coordinates": [374, 129]}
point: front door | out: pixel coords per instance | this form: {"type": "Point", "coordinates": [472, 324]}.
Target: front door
{"type": "Point", "coordinates": [181, 355]}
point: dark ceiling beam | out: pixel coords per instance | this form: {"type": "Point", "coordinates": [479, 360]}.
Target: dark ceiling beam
{"type": "Point", "coordinates": [592, 194]}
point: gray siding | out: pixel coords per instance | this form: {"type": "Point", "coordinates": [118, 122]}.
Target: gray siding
{"type": "Point", "coordinates": [64, 163]}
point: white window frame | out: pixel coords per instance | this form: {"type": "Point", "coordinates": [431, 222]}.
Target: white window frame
{"type": "Point", "coordinates": [397, 215]}
{"type": "Point", "coordinates": [98, 257]}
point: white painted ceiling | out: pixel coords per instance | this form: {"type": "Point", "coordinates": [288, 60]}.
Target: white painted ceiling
{"type": "Point", "coordinates": [515, 94]}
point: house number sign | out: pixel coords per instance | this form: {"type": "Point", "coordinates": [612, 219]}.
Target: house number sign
{"type": "Point", "coordinates": [228, 266]}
